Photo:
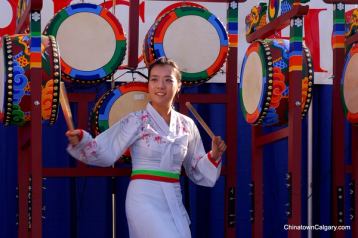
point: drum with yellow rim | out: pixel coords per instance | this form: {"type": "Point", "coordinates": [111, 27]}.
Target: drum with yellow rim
{"type": "Point", "coordinates": [264, 87]}
{"type": "Point", "coordinates": [91, 40]}
{"type": "Point", "coordinates": [349, 86]}
{"type": "Point", "coordinates": [15, 84]}
{"type": "Point", "coordinates": [193, 37]}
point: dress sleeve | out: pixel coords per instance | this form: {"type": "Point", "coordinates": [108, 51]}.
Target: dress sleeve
{"type": "Point", "coordinates": [108, 146]}
{"type": "Point", "coordinates": [199, 166]}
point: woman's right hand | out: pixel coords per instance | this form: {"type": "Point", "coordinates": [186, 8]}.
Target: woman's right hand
{"type": "Point", "coordinates": [74, 136]}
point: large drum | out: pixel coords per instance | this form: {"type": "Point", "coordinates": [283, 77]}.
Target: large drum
{"type": "Point", "coordinates": [349, 86]}
{"type": "Point", "coordinates": [147, 50]}
{"type": "Point", "coordinates": [117, 103]}
{"type": "Point", "coordinates": [15, 84]}
{"type": "Point", "coordinates": [264, 87]}
{"type": "Point", "coordinates": [91, 40]}
{"type": "Point", "coordinates": [191, 36]}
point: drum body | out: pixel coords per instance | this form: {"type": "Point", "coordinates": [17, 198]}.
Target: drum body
{"type": "Point", "coordinates": [264, 87]}
{"type": "Point", "coordinates": [15, 84]}
{"type": "Point", "coordinates": [117, 103]}
{"type": "Point", "coordinates": [91, 40]}
{"type": "Point", "coordinates": [349, 86]}
{"type": "Point", "coordinates": [191, 36]}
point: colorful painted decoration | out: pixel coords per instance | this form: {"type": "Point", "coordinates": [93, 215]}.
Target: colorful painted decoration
{"type": "Point", "coordinates": [339, 31]}
{"type": "Point", "coordinates": [273, 9]}
{"type": "Point", "coordinates": [264, 87]}
{"type": "Point", "coordinates": [352, 23]}
{"type": "Point", "coordinates": [232, 24]}
{"type": "Point", "coordinates": [15, 86]}
{"type": "Point", "coordinates": [256, 19]}
{"type": "Point", "coordinates": [286, 5]}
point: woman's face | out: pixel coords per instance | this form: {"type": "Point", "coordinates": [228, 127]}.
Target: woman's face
{"type": "Point", "coordinates": [162, 86]}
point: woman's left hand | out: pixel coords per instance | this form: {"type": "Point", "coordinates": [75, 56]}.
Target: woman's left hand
{"type": "Point", "coordinates": [218, 147]}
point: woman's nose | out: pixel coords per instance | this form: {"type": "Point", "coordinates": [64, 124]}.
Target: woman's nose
{"type": "Point", "coordinates": [160, 84]}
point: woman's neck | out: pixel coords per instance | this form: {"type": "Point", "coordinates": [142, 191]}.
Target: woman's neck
{"type": "Point", "coordinates": [164, 111]}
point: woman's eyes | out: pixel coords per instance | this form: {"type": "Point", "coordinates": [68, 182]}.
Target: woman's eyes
{"type": "Point", "coordinates": [168, 80]}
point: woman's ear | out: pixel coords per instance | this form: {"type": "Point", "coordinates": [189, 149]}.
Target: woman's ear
{"type": "Point", "coordinates": [179, 87]}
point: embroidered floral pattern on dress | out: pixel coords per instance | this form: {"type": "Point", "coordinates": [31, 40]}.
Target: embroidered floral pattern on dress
{"type": "Point", "coordinates": [145, 137]}
{"type": "Point", "coordinates": [158, 139]}
{"type": "Point", "coordinates": [149, 124]}
{"type": "Point", "coordinates": [124, 122]}
{"type": "Point", "coordinates": [183, 127]}
{"type": "Point", "coordinates": [89, 149]}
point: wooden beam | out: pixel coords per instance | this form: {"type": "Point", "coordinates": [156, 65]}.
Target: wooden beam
{"type": "Point", "coordinates": [277, 24]}
{"type": "Point", "coordinates": [272, 137]}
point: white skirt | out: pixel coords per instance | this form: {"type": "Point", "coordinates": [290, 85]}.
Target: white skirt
{"type": "Point", "coordinates": [155, 210]}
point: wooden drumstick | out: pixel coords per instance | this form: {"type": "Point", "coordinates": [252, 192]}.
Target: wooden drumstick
{"type": "Point", "coordinates": [66, 107]}
{"type": "Point", "coordinates": [200, 120]}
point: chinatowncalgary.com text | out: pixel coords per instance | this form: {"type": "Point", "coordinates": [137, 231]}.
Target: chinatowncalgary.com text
{"type": "Point", "coordinates": [316, 228]}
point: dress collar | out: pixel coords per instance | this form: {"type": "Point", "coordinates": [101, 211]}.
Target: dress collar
{"type": "Point", "coordinates": [159, 120]}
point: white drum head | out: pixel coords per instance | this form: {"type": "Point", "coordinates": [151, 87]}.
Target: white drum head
{"type": "Point", "coordinates": [192, 42]}
{"type": "Point", "coordinates": [87, 49]}
{"type": "Point", "coordinates": [127, 103]}
{"type": "Point", "coordinates": [252, 82]}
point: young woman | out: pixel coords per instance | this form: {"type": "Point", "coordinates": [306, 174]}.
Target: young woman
{"type": "Point", "coordinates": [161, 141]}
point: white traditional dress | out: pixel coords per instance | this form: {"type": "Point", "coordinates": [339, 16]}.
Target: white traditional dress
{"type": "Point", "coordinates": [154, 205]}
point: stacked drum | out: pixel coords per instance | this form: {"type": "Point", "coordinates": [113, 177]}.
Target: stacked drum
{"type": "Point", "coordinates": [264, 86]}
{"type": "Point", "coordinates": [15, 81]}
{"type": "Point", "coordinates": [349, 86]}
